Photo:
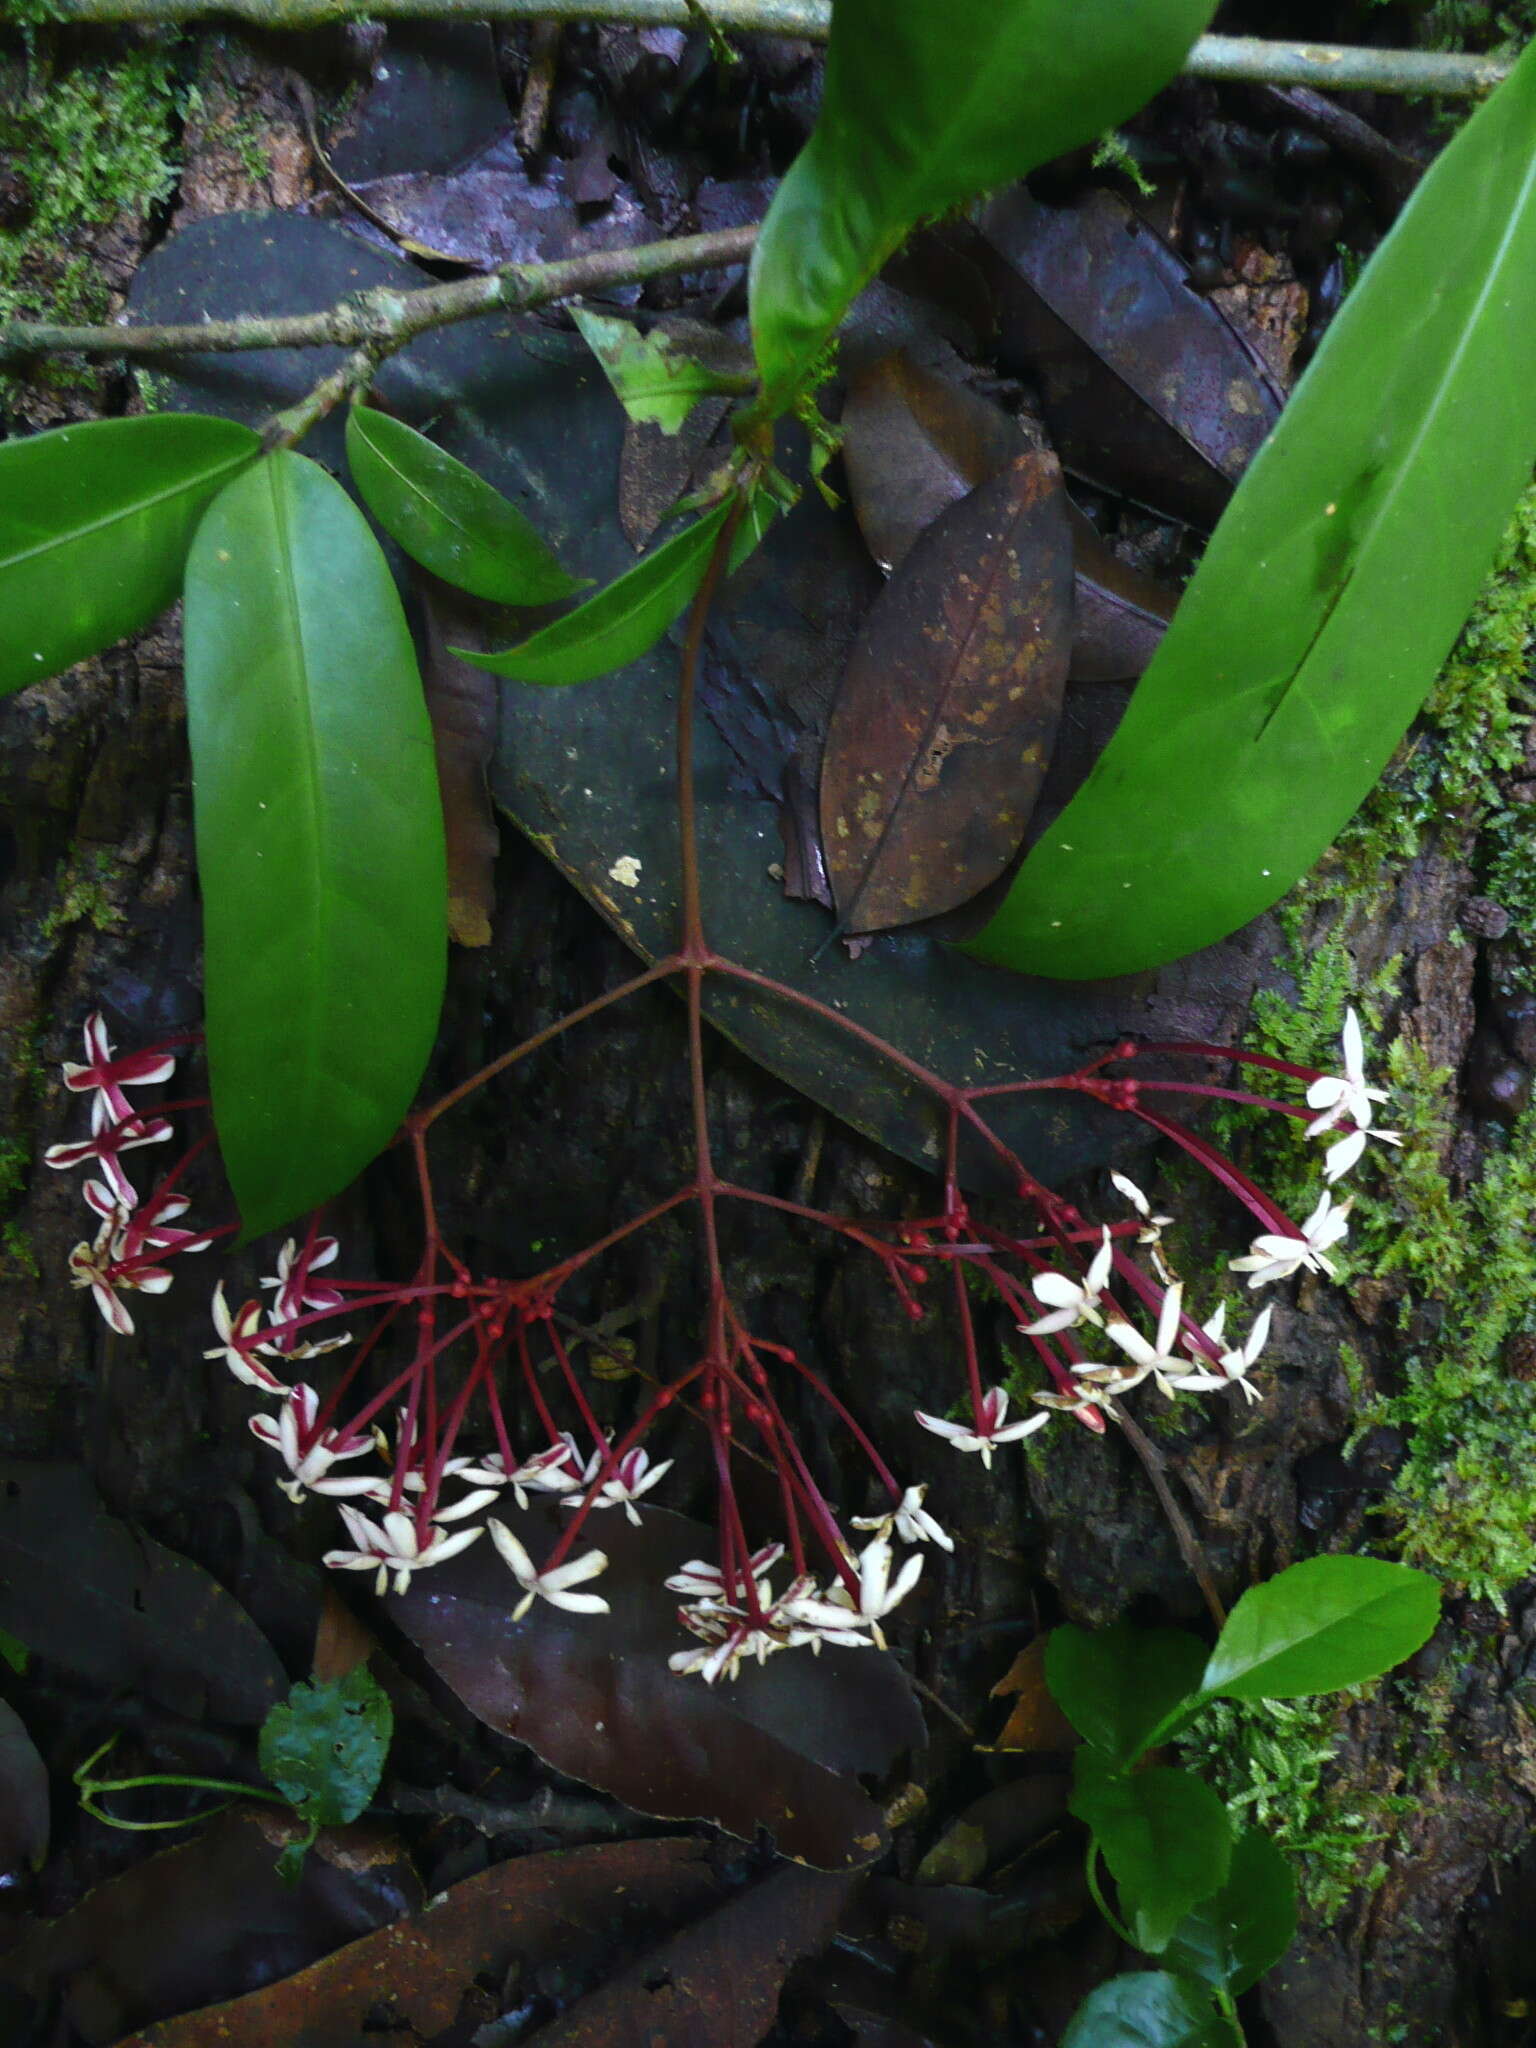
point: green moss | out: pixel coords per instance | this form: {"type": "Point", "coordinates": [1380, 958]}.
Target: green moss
{"type": "Point", "coordinates": [1274, 1762]}
{"type": "Point", "coordinates": [94, 142]}
{"type": "Point", "coordinates": [84, 897]}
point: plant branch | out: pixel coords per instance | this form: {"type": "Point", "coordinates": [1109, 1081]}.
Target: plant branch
{"type": "Point", "coordinates": [379, 322]}
{"type": "Point", "coordinates": [1324, 66]}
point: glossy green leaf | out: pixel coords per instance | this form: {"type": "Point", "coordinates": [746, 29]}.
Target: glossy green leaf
{"type": "Point", "coordinates": [447, 518]}
{"type": "Point", "coordinates": [1164, 1834]}
{"type": "Point", "coordinates": [1116, 1684]}
{"type": "Point", "coordinates": [1323, 1624]}
{"type": "Point", "coordinates": [1147, 2009]}
{"type": "Point", "coordinates": [657, 382]}
{"type": "Point", "coordinates": [925, 106]}
{"type": "Point", "coordinates": [319, 837]}
{"type": "Point", "coordinates": [1330, 594]}
{"type": "Point", "coordinates": [324, 1746]}
{"type": "Point", "coordinates": [1233, 1937]}
{"type": "Point", "coordinates": [627, 619]}
{"type": "Point", "coordinates": [95, 522]}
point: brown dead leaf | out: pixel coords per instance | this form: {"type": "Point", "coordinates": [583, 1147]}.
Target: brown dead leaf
{"type": "Point", "coordinates": [462, 703]}
{"type": "Point", "coordinates": [1035, 1722]}
{"type": "Point", "coordinates": [915, 443]}
{"type": "Point", "coordinates": [206, 1919]}
{"type": "Point", "coordinates": [942, 730]}
{"type": "Point", "coordinates": [592, 1695]}
{"type": "Point", "coordinates": [1146, 387]}
{"type": "Point", "coordinates": [573, 1906]}
{"type": "Point", "coordinates": [715, 1985]}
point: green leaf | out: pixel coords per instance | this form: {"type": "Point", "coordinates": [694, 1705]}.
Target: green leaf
{"type": "Point", "coordinates": [1330, 594]}
{"type": "Point", "coordinates": [1323, 1624]}
{"type": "Point", "coordinates": [447, 518]}
{"type": "Point", "coordinates": [627, 619]}
{"type": "Point", "coordinates": [319, 837]}
{"type": "Point", "coordinates": [1233, 1937]}
{"type": "Point", "coordinates": [1147, 2009]}
{"type": "Point", "coordinates": [95, 523]}
{"type": "Point", "coordinates": [924, 106]}
{"type": "Point", "coordinates": [657, 383]}
{"type": "Point", "coordinates": [14, 1651]}
{"type": "Point", "coordinates": [1164, 1834]}
{"type": "Point", "coordinates": [324, 1746]}
{"type": "Point", "coordinates": [1116, 1684]}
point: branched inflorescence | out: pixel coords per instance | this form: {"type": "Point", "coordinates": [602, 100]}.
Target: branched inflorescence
{"type": "Point", "coordinates": [452, 1391]}
{"type": "Point", "coordinates": [443, 1388]}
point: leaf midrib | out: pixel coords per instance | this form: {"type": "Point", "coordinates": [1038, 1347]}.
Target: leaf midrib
{"type": "Point", "coordinates": [1429, 421]}
{"type": "Point", "coordinates": [309, 778]}
{"type": "Point", "coordinates": [139, 506]}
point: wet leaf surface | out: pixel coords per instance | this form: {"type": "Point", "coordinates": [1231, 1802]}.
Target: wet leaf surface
{"type": "Point", "coordinates": [915, 443]}
{"type": "Point", "coordinates": [23, 1798]}
{"type": "Point", "coordinates": [1147, 389]}
{"type": "Point", "coordinates": [715, 1985]}
{"type": "Point", "coordinates": [490, 211]}
{"type": "Point", "coordinates": [113, 1606]}
{"type": "Point", "coordinates": [572, 1908]}
{"type": "Point", "coordinates": [448, 519]}
{"type": "Point", "coordinates": [205, 1920]}
{"type": "Point", "coordinates": [587, 772]}
{"type": "Point", "coordinates": [593, 1696]}
{"type": "Point", "coordinates": [943, 727]}
{"type": "Point", "coordinates": [1374, 511]}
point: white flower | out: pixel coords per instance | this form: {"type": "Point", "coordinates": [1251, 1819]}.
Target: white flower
{"type": "Point", "coordinates": [545, 1472]}
{"type": "Point", "coordinates": [986, 1432]}
{"type": "Point", "coordinates": [707, 1581]}
{"type": "Point", "coordinates": [1234, 1364]}
{"type": "Point", "coordinates": [395, 1548]}
{"type": "Point", "coordinates": [910, 1519]}
{"type": "Point", "coordinates": [1072, 1301]}
{"type": "Point", "coordinates": [1152, 1227]}
{"type": "Point", "coordinates": [553, 1586]}
{"type": "Point", "coordinates": [238, 1345]}
{"type": "Point", "coordinates": [1345, 1096]}
{"type": "Point", "coordinates": [1273, 1256]}
{"type": "Point", "coordinates": [309, 1467]}
{"type": "Point", "coordinates": [102, 1267]}
{"type": "Point", "coordinates": [1158, 1358]}
{"type": "Point", "coordinates": [296, 1291]}
{"type": "Point", "coordinates": [1347, 1099]}
{"type": "Point", "coordinates": [633, 1475]}
{"type": "Point", "coordinates": [840, 1617]}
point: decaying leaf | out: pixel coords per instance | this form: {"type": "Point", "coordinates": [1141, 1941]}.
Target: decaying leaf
{"type": "Point", "coordinates": [208, 1919]}
{"type": "Point", "coordinates": [120, 1609]}
{"type": "Point", "coordinates": [942, 730]}
{"type": "Point", "coordinates": [996, 1828]}
{"type": "Point", "coordinates": [1035, 1722]}
{"type": "Point", "coordinates": [489, 211]}
{"type": "Point", "coordinates": [461, 703]}
{"type": "Point", "coordinates": [715, 1985]}
{"type": "Point", "coordinates": [592, 1694]}
{"type": "Point", "coordinates": [656, 379]}
{"type": "Point", "coordinates": [572, 1906]}
{"type": "Point", "coordinates": [23, 1797]}
{"type": "Point", "coordinates": [915, 443]}
{"type": "Point", "coordinates": [1146, 387]}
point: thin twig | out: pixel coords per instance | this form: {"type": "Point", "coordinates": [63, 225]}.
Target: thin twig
{"type": "Point", "coordinates": [1327, 66]}
{"type": "Point", "coordinates": [385, 319]}
{"type": "Point", "coordinates": [1189, 1547]}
